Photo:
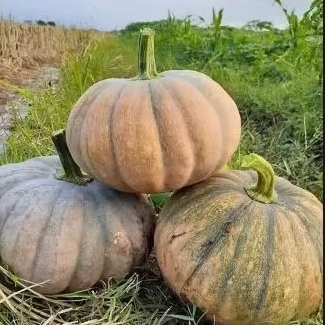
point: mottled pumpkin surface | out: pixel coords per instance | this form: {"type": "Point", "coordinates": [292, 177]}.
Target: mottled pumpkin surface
{"type": "Point", "coordinates": [154, 135]}
{"type": "Point", "coordinates": [71, 235]}
{"type": "Point", "coordinates": [240, 260]}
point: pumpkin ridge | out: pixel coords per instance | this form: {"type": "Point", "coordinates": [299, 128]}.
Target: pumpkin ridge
{"type": "Point", "coordinates": [83, 239]}
{"type": "Point", "coordinates": [295, 192]}
{"type": "Point", "coordinates": [308, 226]}
{"type": "Point", "coordinates": [14, 188]}
{"type": "Point", "coordinates": [3, 227]}
{"type": "Point", "coordinates": [187, 153]}
{"type": "Point", "coordinates": [104, 230]}
{"type": "Point", "coordinates": [111, 124]}
{"type": "Point", "coordinates": [18, 232]}
{"type": "Point", "coordinates": [300, 298]}
{"type": "Point", "coordinates": [89, 142]}
{"type": "Point", "coordinates": [120, 222]}
{"type": "Point", "coordinates": [269, 247]}
{"type": "Point", "coordinates": [188, 220]}
{"type": "Point", "coordinates": [144, 239]}
{"type": "Point", "coordinates": [231, 265]}
{"type": "Point", "coordinates": [309, 196]}
{"type": "Point", "coordinates": [284, 239]}
{"type": "Point", "coordinates": [301, 211]}
{"type": "Point", "coordinates": [39, 245]}
{"type": "Point", "coordinates": [233, 216]}
{"type": "Point", "coordinates": [3, 223]}
{"type": "Point", "coordinates": [77, 260]}
{"type": "Point", "coordinates": [174, 95]}
{"type": "Point", "coordinates": [184, 78]}
{"type": "Point", "coordinates": [27, 213]}
{"type": "Point", "coordinates": [155, 112]}
{"type": "Point", "coordinates": [85, 154]}
{"type": "Point", "coordinates": [282, 187]}
{"type": "Point", "coordinates": [219, 127]}
{"type": "Point", "coordinates": [305, 222]}
{"type": "Point", "coordinates": [141, 224]}
{"type": "Point", "coordinates": [75, 131]}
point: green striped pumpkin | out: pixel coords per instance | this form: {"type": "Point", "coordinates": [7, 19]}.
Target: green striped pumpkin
{"type": "Point", "coordinates": [244, 253]}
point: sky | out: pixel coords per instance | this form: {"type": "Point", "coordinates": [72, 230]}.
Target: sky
{"type": "Point", "coordinates": [116, 14]}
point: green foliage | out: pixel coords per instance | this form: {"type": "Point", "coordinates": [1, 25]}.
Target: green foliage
{"type": "Point", "coordinates": [259, 25]}
{"type": "Point", "coordinates": [216, 24]}
{"type": "Point", "coordinates": [159, 199]}
{"type": "Point", "coordinates": [135, 27]}
{"type": "Point", "coordinates": [43, 23]}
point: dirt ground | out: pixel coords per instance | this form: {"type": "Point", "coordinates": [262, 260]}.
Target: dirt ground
{"type": "Point", "coordinates": [43, 77]}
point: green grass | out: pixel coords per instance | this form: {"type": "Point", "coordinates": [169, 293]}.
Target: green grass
{"type": "Point", "coordinates": [274, 76]}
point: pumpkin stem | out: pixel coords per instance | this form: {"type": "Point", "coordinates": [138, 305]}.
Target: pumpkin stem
{"type": "Point", "coordinates": [71, 171]}
{"type": "Point", "coordinates": [146, 55]}
{"type": "Point", "coordinates": [264, 190]}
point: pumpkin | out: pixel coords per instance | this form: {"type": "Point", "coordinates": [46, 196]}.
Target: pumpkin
{"type": "Point", "coordinates": [68, 233]}
{"type": "Point", "coordinates": [155, 132]}
{"type": "Point", "coordinates": [244, 246]}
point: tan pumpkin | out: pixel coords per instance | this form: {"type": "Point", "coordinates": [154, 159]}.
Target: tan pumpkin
{"type": "Point", "coordinates": [244, 253]}
{"type": "Point", "coordinates": [155, 132]}
{"type": "Point", "coordinates": [67, 234]}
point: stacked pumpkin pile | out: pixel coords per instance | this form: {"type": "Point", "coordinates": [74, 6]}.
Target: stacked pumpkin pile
{"type": "Point", "coordinates": [244, 246]}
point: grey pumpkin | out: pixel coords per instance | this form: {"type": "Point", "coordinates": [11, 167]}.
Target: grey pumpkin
{"type": "Point", "coordinates": [68, 234]}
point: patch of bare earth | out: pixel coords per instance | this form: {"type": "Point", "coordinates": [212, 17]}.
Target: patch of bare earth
{"type": "Point", "coordinates": [14, 106]}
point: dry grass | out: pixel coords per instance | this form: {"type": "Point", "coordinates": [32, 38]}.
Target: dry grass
{"type": "Point", "coordinates": [141, 299]}
{"type": "Point", "coordinates": [23, 47]}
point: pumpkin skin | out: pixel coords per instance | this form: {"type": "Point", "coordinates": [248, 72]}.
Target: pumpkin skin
{"type": "Point", "coordinates": [72, 235]}
{"type": "Point", "coordinates": [239, 260]}
{"type": "Point", "coordinates": [156, 134]}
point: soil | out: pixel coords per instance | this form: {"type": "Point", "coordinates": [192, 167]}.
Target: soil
{"type": "Point", "coordinates": [12, 104]}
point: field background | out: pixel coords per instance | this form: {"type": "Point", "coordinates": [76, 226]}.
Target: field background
{"type": "Point", "coordinates": [274, 76]}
